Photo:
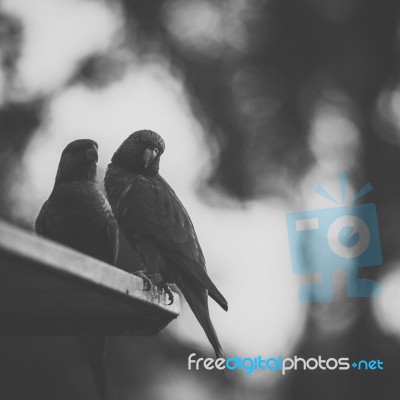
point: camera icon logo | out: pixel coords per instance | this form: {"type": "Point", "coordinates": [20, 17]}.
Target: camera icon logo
{"type": "Point", "coordinates": [336, 238]}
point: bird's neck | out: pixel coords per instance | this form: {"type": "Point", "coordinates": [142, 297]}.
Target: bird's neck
{"type": "Point", "coordinates": [66, 174]}
{"type": "Point", "coordinates": [117, 178]}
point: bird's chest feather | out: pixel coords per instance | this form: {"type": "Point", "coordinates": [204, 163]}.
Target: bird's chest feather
{"type": "Point", "coordinates": [128, 203]}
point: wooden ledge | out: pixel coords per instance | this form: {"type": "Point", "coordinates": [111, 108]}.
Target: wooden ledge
{"type": "Point", "coordinates": [50, 289]}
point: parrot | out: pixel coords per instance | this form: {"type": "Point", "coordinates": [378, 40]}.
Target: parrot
{"type": "Point", "coordinates": [78, 215]}
{"type": "Point", "coordinates": [158, 227]}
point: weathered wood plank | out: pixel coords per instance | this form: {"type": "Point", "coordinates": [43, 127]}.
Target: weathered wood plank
{"type": "Point", "coordinates": [49, 289]}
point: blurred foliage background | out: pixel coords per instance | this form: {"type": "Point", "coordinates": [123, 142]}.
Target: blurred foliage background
{"type": "Point", "coordinates": [288, 93]}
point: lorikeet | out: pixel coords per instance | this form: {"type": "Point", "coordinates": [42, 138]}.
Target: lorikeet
{"type": "Point", "coordinates": [158, 226]}
{"type": "Point", "coordinates": [78, 215]}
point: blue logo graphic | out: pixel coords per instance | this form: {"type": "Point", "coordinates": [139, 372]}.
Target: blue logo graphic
{"type": "Point", "coordinates": [337, 238]}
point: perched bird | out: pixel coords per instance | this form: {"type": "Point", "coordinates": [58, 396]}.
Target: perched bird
{"type": "Point", "coordinates": [78, 215]}
{"type": "Point", "coordinates": [158, 226]}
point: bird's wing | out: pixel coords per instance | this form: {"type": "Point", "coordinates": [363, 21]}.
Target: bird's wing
{"type": "Point", "coordinates": [113, 239]}
{"type": "Point", "coordinates": [41, 224]}
{"type": "Point", "coordinates": [150, 208]}
{"type": "Point", "coordinates": [73, 206]}
{"type": "Point", "coordinates": [100, 203]}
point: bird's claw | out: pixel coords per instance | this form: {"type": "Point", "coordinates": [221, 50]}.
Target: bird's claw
{"type": "Point", "coordinates": [164, 286]}
{"type": "Point", "coordinates": [147, 283]}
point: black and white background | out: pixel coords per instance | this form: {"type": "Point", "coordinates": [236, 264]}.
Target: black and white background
{"type": "Point", "coordinates": [258, 102]}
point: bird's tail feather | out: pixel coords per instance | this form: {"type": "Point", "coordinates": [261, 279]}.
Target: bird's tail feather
{"type": "Point", "coordinates": [95, 348]}
{"type": "Point", "coordinates": [216, 295]}
{"type": "Point", "coordinates": [201, 276]}
{"type": "Point", "coordinates": [197, 301]}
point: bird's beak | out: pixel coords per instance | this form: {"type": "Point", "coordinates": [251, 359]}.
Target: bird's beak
{"type": "Point", "coordinates": [92, 155]}
{"type": "Point", "coordinates": [148, 156]}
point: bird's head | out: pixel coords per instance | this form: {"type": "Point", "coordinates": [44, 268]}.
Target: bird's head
{"type": "Point", "coordinates": [78, 162]}
{"type": "Point", "coordinates": [140, 152]}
